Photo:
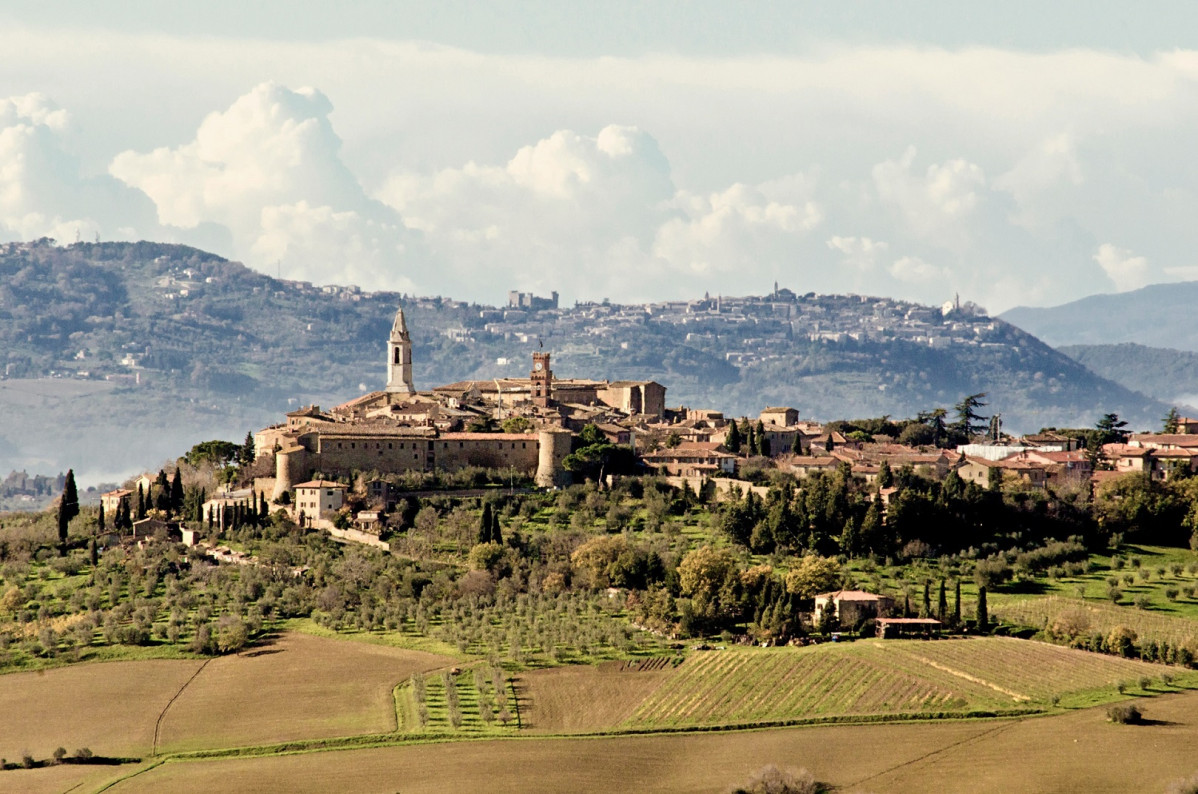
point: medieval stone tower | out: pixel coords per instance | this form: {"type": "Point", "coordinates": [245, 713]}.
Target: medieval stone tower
{"type": "Point", "coordinates": [399, 357]}
{"type": "Point", "coordinates": [541, 380]}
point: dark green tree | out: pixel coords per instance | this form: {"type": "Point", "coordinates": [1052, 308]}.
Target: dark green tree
{"type": "Point", "coordinates": [983, 612]}
{"type": "Point", "coordinates": [1111, 429]}
{"type": "Point", "coordinates": [754, 447]}
{"type": "Point", "coordinates": [1170, 422]}
{"type": "Point", "coordinates": [942, 604]}
{"type": "Point", "coordinates": [885, 476]}
{"type": "Point", "coordinates": [245, 455]}
{"type": "Point", "coordinates": [176, 501]}
{"type": "Point", "coordinates": [969, 422]}
{"type": "Point", "coordinates": [935, 420]}
{"type": "Point", "coordinates": [797, 445]}
{"type": "Point", "coordinates": [142, 507]}
{"type": "Point", "coordinates": [957, 603]}
{"type": "Point", "coordinates": [926, 609]}
{"type": "Point", "coordinates": [733, 441]}
{"type": "Point", "coordinates": [484, 524]}
{"type": "Point", "coordinates": [68, 508]}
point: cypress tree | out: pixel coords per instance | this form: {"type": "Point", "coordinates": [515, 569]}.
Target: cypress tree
{"type": "Point", "coordinates": [141, 503]}
{"type": "Point", "coordinates": [957, 605]}
{"type": "Point", "coordinates": [850, 541]}
{"type": "Point", "coordinates": [100, 519]}
{"type": "Point", "coordinates": [70, 496]}
{"type": "Point", "coordinates": [177, 492]}
{"type": "Point", "coordinates": [927, 600]}
{"type": "Point", "coordinates": [885, 476]}
{"type": "Point", "coordinates": [764, 444]}
{"type": "Point", "coordinates": [94, 553]}
{"type": "Point", "coordinates": [983, 612]}
{"type": "Point", "coordinates": [797, 445]}
{"type": "Point", "coordinates": [754, 449]}
{"type": "Point", "coordinates": [484, 524]}
{"type": "Point", "coordinates": [733, 441]}
{"type": "Point", "coordinates": [496, 529]}
{"type": "Point", "coordinates": [68, 508]}
{"type": "Point", "coordinates": [942, 604]}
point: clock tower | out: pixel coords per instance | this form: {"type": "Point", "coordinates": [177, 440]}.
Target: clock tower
{"type": "Point", "coordinates": [542, 379]}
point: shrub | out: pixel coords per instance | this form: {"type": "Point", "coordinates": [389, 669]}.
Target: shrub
{"type": "Point", "coordinates": [59, 754]}
{"type": "Point", "coordinates": [1185, 785]}
{"type": "Point", "coordinates": [772, 780]}
{"type": "Point", "coordinates": [1171, 593]}
{"type": "Point", "coordinates": [1125, 714]}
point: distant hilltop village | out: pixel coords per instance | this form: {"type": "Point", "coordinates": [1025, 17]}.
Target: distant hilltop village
{"type": "Point", "coordinates": [400, 429]}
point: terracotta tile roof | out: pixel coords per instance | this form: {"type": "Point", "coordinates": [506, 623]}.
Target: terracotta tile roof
{"type": "Point", "coordinates": [321, 484]}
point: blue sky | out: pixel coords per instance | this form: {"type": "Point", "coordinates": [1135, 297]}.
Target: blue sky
{"type": "Point", "coordinates": [1012, 152]}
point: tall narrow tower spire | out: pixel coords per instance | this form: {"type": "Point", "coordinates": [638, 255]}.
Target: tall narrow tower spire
{"type": "Point", "coordinates": [399, 357]}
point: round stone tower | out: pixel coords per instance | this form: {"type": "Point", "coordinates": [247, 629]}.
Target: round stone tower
{"type": "Point", "coordinates": [288, 463]}
{"type": "Point", "coordinates": [553, 446]}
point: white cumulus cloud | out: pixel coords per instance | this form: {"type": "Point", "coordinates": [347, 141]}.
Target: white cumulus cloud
{"type": "Point", "coordinates": [268, 170]}
{"type": "Point", "coordinates": [1126, 270]}
{"type": "Point", "coordinates": [42, 193]}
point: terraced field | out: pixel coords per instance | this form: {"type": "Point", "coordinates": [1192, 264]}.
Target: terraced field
{"type": "Point", "coordinates": [752, 686]}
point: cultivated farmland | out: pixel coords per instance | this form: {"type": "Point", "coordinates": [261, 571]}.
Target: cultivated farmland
{"type": "Point", "coordinates": [1073, 751]}
{"type": "Point", "coordinates": [1102, 617]}
{"type": "Point", "coordinates": [300, 687]}
{"type": "Point", "coordinates": [108, 707]}
{"type": "Point", "coordinates": [744, 686]}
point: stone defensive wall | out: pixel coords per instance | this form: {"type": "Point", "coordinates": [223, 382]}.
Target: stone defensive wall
{"type": "Point", "coordinates": [338, 452]}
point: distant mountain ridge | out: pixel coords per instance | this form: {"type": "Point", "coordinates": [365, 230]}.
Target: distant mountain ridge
{"type": "Point", "coordinates": [1167, 375]}
{"type": "Point", "coordinates": [119, 354]}
{"type": "Point", "coordinates": [1158, 315]}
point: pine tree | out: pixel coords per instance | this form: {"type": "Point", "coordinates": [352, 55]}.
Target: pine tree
{"type": "Point", "coordinates": [983, 612]}
{"type": "Point", "coordinates": [245, 455]}
{"type": "Point", "coordinates": [1170, 423]}
{"type": "Point", "coordinates": [733, 441]}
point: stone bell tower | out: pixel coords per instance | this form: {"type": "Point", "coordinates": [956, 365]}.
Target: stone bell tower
{"type": "Point", "coordinates": [399, 357]}
{"type": "Point", "coordinates": [542, 380]}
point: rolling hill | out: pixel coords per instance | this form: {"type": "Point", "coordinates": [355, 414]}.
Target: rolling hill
{"type": "Point", "coordinates": [119, 355]}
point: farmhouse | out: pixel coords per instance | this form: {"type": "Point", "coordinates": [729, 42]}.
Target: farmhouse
{"type": "Point", "coordinates": [851, 607]}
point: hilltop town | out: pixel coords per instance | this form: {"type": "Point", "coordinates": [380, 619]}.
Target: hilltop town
{"type": "Point", "coordinates": [339, 468]}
